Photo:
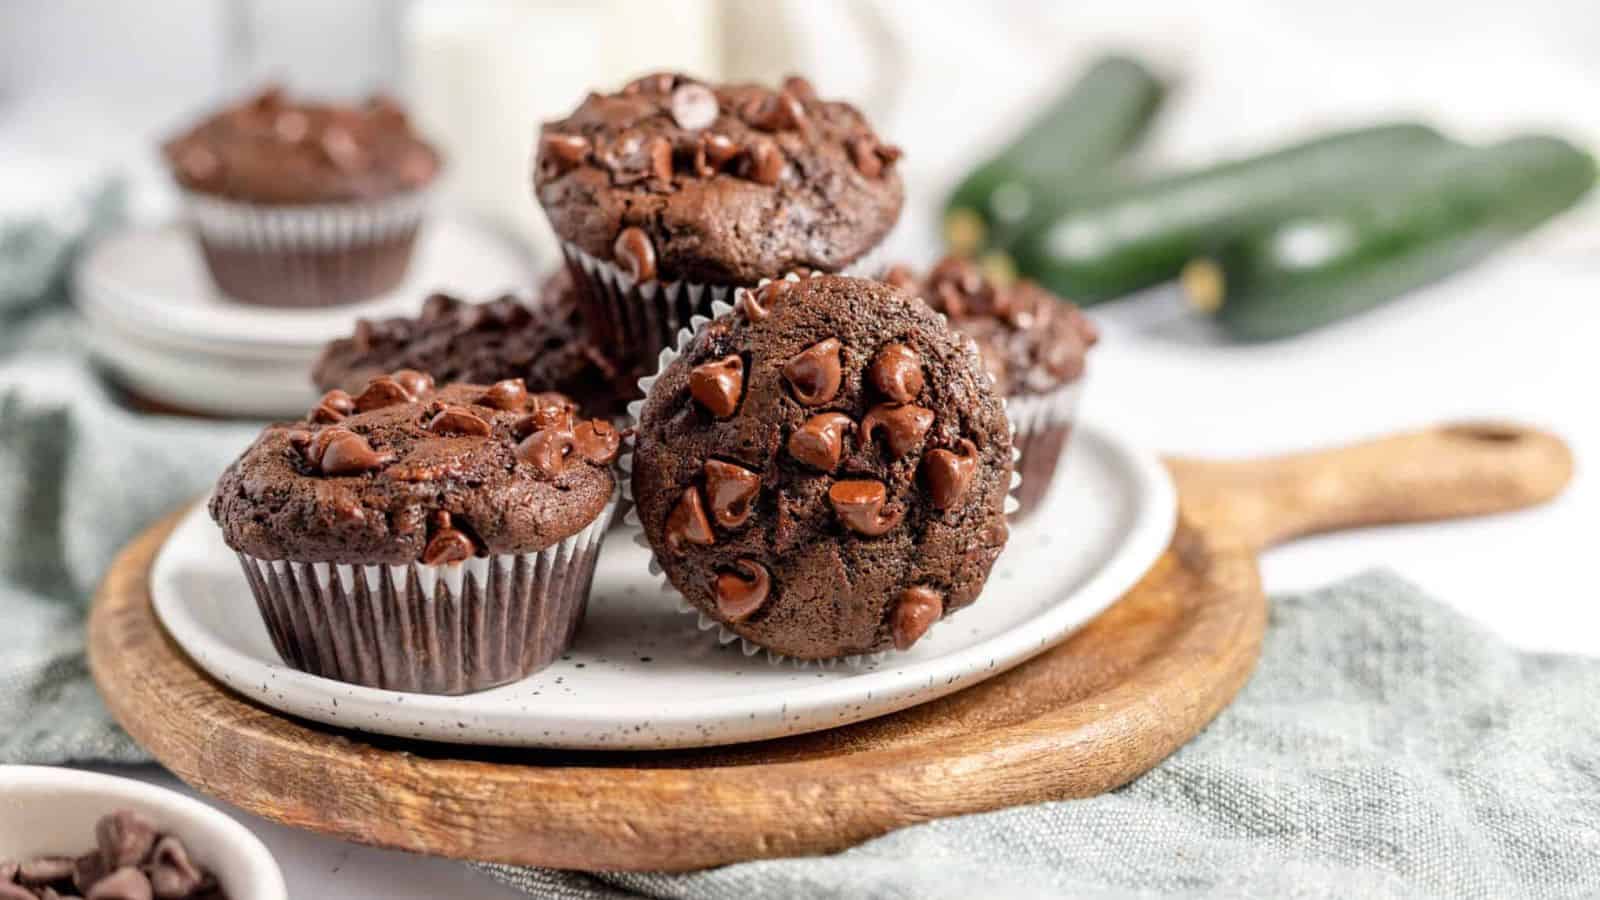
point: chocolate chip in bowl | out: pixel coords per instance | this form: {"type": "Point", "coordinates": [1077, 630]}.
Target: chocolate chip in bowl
{"type": "Point", "coordinates": [823, 470]}
{"type": "Point", "coordinates": [66, 833]}
{"type": "Point", "coordinates": [483, 505]}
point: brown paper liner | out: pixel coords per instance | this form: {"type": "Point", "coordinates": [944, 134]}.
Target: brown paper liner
{"type": "Point", "coordinates": [429, 629]}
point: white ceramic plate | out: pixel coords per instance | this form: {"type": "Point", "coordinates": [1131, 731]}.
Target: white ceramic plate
{"type": "Point", "coordinates": [54, 811]}
{"type": "Point", "coordinates": [643, 675]}
{"type": "Point", "coordinates": [156, 320]}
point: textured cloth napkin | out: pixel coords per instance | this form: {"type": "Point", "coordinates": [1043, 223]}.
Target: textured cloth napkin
{"type": "Point", "coordinates": [1386, 747]}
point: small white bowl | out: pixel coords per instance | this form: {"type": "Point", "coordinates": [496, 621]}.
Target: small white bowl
{"type": "Point", "coordinates": [53, 811]}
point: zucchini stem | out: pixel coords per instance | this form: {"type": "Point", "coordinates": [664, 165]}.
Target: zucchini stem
{"type": "Point", "coordinates": [1204, 285]}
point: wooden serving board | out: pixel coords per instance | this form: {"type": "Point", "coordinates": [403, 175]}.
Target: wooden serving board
{"type": "Point", "coordinates": [1086, 717]}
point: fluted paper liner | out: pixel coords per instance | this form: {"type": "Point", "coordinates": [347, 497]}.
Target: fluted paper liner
{"type": "Point", "coordinates": [448, 629]}
{"type": "Point", "coordinates": [307, 254]}
{"type": "Point", "coordinates": [643, 317]}
{"type": "Point", "coordinates": [1042, 425]}
{"type": "Point", "coordinates": [705, 622]}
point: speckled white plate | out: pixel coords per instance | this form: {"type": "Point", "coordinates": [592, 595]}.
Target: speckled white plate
{"type": "Point", "coordinates": [643, 675]}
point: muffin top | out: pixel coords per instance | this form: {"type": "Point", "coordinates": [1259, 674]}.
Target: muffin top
{"type": "Point", "coordinates": [545, 343]}
{"type": "Point", "coordinates": [1031, 340]}
{"type": "Point", "coordinates": [404, 472]}
{"type": "Point", "coordinates": [673, 178]}
{"type": "Point", "coordinates": [271, 150]}
{"type": "Point", "coordinates": [823, 470]}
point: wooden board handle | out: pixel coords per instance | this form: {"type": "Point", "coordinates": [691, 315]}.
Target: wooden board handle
{"type": "Point", "coordinates": [1446, 472]}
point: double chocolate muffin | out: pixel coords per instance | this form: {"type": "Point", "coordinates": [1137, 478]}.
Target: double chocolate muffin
{"type": "Point", "coordinates": [824, 469]}
{"type": "Point", "coordinates": [304, 204]}
{"type": "Point", "coordinates": [1034, 344]}
{"type": "Point", "coordinates": [671, 192]}
{"type": "Point", "coordinates": [544, 342]}
{"type": "Point", "coordinates": [426, 539]}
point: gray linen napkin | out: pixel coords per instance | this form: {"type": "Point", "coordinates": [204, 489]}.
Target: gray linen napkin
{"type": "Point", "coordinates": [1386, 747]}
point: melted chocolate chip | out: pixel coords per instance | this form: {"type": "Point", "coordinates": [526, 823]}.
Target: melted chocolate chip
{"type": "Point", "coordinates": [712, 152]}
{"type": "Point", "coordinates": [415, 383]}
{"type": "Point", "coordinates": [782, 111]}
{"type": "Point", "coordinates": [509, 394]}
{"type": "Point", "coordinates": [820, 441]}
{"type": "Point", "coordinates": [634, 252]}
{"type": "Point", "coordinates": [341, 149]}
{"type": "Point", "coordinates": [694, 106]}
{"type": "Point", "coordinates": [798, 87]}
{"type": "Point", "coordinates": [731, 490]}
{"type": "Point", "coordinates": [758, 303]}
{"type": "Point", "coordinates": [903, 425]}
{"type": "Point", "coordinates": [458, 421]}
{"type": "Point", "coordinates": [740, 594]}
{"type": "Point", "coordinates": [597, 441]}
{"type": "Point", "coordinates": [718, 385]}
{"type": "Point", "coordinates": [382, 391]}
{"type": "Point", "coordinates": [566, 151]}
{"type": "Point", "coordinates": [687, 523]}
{"type": "Point", "coordinates": [918, 608]}
{"type": "Point", "coordinates": [950, 474]}
{"type": "Point", "coordinates": [334, 406]}
{"type": "Point", "coordinates": [766, 162]}
{"type": "Point", "coordinates": [632, 158]}
{"type": "Point", "coordinates": [897, 372]}
{"type": "Point", "coordinates": [861, 505]}
{"type": "Point", "coordinates": [448, 546]}
{"type": "Point", "coordinates": [547, 450]}
{"type": "Point", "coordinates": [124, 838]}
{"type": "Point", "coordinates": [814, 374]}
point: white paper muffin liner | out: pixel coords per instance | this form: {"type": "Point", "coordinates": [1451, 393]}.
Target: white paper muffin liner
{"type": "Point", "coordinates": [306, 255]}
{"type": "Point", "coordinates": [643, 317]}
{"type": "Point", "coordinates": [1042, 427]}
{"type": "Point", "coordinates": [725, 635]}
{"type": "Point", "coordinates": [448, 629]}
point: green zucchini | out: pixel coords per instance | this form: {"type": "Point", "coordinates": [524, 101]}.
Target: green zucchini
{"type": "Point", "coordinates": [1092, 248]}
{"type": "Point", "coordinates": [1099, 117]}
{"type": "Point", "coordinates": [1310, 270]}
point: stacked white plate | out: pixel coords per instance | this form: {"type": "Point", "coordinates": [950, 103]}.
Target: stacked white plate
{"type": "Point", "coordinates": [166, 333]}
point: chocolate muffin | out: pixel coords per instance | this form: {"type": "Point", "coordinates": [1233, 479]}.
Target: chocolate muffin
{"type": "Point", "coordinates": [304, 204]}
{"type": "Point", "coordinates": [1034, 344]}
{"type": "Point", "coordinates": [421, 539]}
{"type": "Point", "coordinates": [824, 469]}
{"type": "Point", "coordinates": [672, 192]}
{"type": "Point", "coordinates": [545, 343]}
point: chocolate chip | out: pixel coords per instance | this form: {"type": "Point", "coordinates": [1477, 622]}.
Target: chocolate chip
{"type": "Point", "coordinates": [950, 474]}
{"type": "Point", "coordinates": [597, 441]}
{"type": "Point", "coordinates": [334, 406]}
{"type": "Point", "coordinates": [860, 504]}
{"type": "Point", "coordinates": [169, 882]}
{"type": "Point", "coordinates": [199, 164]}
{"type": "Point", "coordinates": [291, 126]}
{"type": "Point", "coordinates": [447, 546]}
{"type": "Point", "coordinates": [740, 595]}
{"type": "Point", "coordinates": [510, 394]}
{"type": "Point", "coordinates": [124, 837]}
{"type": "Point", "coordinates": [756, 304]}
{"type": "Point", "coordinates": [864, 153]}
{"type": "Point", "coordinates": [687, 523]}
{"type": "Point", "coordinates": [814, 374]}
{"type": "Point", "coordinates": [632, 157]}
{"type": "Point", "coordinates": [694, 106]}
{"type": "Point", "coordinates": [415, 383]}
{"type": "Point", "coordinates": [566, 152]}
{"type": "Point", "coordinates": [547, 450]}
{"type": "Point", "coordinates": [45, 869]}
{"type": "Point", "coordinates": [777, 112]}
{"type": "Point", "coordinates": [458, 421]}
{"type": "Point", "coordinates": [901, 276]}
{"type": "Point", "coordinates": [889, 153]}
{"type": "Point", "coordinates": [820, 441]}
{"type": "Point", "coordinates": [553, 416]}
{"type": "Point", "coordinates": [655, 83]}
{"type": "Point", "coordinates": [341, 149]}
{"type": "Point", "coordinates": [438, 306]}
{"type": "Point", "coordinates": [170, 851]}
{"type": "Point", "coordinates": [718, 385]}
{"type": "Point", "coordinates": [917, 610]}
{"type": "Point", "coordinates": [126, 883]}
{"type": "Point", "coordinates": [800, 88]}
{"type": "Point", "coordinates": [897, 372]}
{"type": "Point", "coordinates": [339, 451]}
{"type": "Point", "coordinates": [731, 490]}
{"type": "Point", "coordinates": [766, 162]}
{"type": "Point", "coordinates": [712, 152]}
{"type": "Point", "coordinates": [634, 252]}
{"type": "Point", "coordinates": [903, 424]}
